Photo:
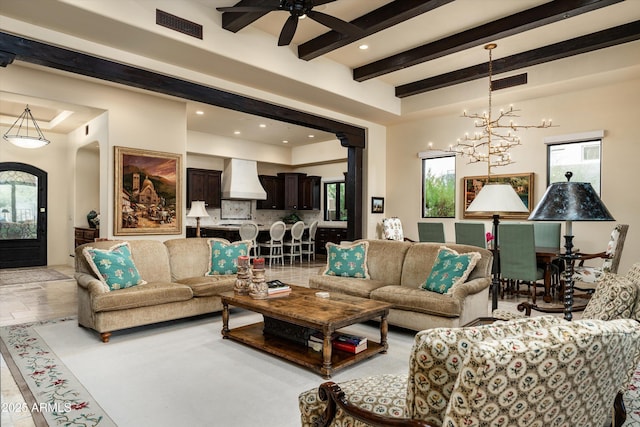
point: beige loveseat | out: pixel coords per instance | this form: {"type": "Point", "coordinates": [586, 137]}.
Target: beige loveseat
{"type": "Point", "coordinates": [176, 286]}
{"type": "Point", "coordinates": [397, 269]}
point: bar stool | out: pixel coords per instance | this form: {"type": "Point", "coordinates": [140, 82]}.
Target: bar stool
{"type": "Point", "coordinates": [275, 244]}
{"type": "Point", "coordinates": [294, 246]}
{"type": "Point", "coordinates": [309, 243]}
{"type": "Point", "coordinates": [249, 231]}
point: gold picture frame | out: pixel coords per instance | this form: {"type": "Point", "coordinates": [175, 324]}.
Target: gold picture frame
{"type": "Point", "coordinates": [522, 183]}
{"type": "Point", "coordinates": [148, 192]}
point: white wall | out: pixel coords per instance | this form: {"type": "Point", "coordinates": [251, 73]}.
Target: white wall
{"type": "Point", "coordinates": [611, 107]}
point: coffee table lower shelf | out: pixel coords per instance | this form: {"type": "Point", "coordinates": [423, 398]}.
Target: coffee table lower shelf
{"type": "Point", "coordinates": [252, 335]}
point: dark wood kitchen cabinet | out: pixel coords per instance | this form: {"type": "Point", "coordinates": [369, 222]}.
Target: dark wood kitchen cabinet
{"type": "Point", "coordinates": [274, 187]}
{"type": "Point", "coordinates": [204, 184]}
{"type": "Point", "coordinates": [309, 193]}
{"type": "Point", "coordinates": [329, 234]}
{"type": "Point", "coordinates": [291, 189]}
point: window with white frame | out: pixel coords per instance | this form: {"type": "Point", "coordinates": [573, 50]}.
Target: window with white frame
{"type": "Point", "coordinates": [579, 154]}
{"type": "Point", "coordinates": [439, 186]}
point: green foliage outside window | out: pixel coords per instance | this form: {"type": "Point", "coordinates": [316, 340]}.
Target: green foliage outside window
{"type": "Point", "coordinates": [439, 188]}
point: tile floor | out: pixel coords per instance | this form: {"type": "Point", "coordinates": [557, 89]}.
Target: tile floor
{"type": "Point", "coordinates": [51, 300]}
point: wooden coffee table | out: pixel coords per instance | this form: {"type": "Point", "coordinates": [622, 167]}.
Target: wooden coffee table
{"type": "Point", "coordinates": [303, 308]}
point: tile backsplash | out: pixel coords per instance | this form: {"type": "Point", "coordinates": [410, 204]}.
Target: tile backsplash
{"type": "Point", "coordinates": [261, 216]}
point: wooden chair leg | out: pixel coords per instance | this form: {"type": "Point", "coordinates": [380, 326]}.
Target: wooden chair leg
{"type": "Point", "coordinates": [619, 411]}
{"type": "Point", "coordinates": [105, 336]}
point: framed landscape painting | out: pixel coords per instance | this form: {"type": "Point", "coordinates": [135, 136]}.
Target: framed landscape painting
{"type": "Point", "coordinates": [522, 183]}
{"type": "Point", "coordinates": [148, 197]}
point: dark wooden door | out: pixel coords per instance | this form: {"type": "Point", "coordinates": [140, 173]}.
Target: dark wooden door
{"type": "Point", "coordinates": [23, 215]}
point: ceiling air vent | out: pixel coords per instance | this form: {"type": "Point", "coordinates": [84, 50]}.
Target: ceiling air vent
{"type": "Point", "coordinates": [178, 24]}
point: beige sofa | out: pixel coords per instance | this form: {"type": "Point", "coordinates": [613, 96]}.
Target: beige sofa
{"type": "Point", "coordinates": [176, 286]}
{"type": "Point", "coordinates": [396, 270]}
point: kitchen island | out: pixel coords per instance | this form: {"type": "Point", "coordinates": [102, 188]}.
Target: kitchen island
{"type": "Point", "coordinates": [326, 233]}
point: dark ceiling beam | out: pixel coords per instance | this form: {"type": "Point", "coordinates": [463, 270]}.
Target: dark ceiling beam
{"type": "Point", "coordinates": [579, 45]}
{"type": "Point", "coordinates": [350, 136]}
{"type": "Point", "coordinates": [514, 24]}
{"type": "Point", "coordinates": [380, 19]}
{"type": "Point", "coordinates": [235, 21]}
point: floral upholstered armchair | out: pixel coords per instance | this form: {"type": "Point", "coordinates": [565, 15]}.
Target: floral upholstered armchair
{"type": "Point", "coordinates": [586, 277]}
{"type": "Point", "coordinates": [537, 371]}
{"type": "Point", "coordinates": [392, 229]}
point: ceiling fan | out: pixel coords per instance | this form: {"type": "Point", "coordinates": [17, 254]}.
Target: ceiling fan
{"type": "Point", "coordinates": [298, 9]}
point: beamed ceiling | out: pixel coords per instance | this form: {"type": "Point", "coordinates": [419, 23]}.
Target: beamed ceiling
{"type": "Point", "coordinates": [397, 13]}
{"type": "Point", "coordinates": [420, 51]}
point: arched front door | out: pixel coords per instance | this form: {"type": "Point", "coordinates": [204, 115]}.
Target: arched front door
{"type": "Point", "coordinates": [23, 215]}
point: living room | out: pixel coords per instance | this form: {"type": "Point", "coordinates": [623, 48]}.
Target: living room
{"type": "Point", "coordinates": [595, 91]}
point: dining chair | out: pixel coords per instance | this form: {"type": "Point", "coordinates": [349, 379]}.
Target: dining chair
{"type": "Point", "coordinates": [471, 233]}
{"type": "Point", "coordinates": [293, 246]}
{"type": "Point", "coordinates": [548, 235]}
{"type": "Point", "coordinates": [249, 231]}
{"type": "Point", "coordinates": [586, 278]}
{"type": "Point", "coordinates": [518, 258]}
{"type": "Point", "coordinates": [309, 242]}
{"type": "Point", "coordinates": [274, 246]}
{"type": "Point", "coordinates": [431, 232]}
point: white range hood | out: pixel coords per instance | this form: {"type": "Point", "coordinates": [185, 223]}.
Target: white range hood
{"type": "Point", "coordinates": [240, 180]}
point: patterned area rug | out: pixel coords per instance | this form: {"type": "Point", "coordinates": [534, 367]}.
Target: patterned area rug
{"type": "Point", "coordinates": [19, 276]}
{"type": "Point", "coordinates": [59, 398]}
{"type": "Point", "coordinates": [52, 394]}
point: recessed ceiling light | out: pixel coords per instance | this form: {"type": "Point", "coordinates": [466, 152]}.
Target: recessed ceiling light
{"type": "Point", "coordinates": [236, 132]}
{"type": "Point", "coordinates": [285, 141]}
{"type": "Point", "coordinates": [200, 112]}
{"type": "Point", "coordinates": [363, 47]}
{"type": "Point", "coordinates": [262, 125]}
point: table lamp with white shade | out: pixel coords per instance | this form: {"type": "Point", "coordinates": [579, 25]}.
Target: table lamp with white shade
{"type": "Point", "coordinates": [197, 211]}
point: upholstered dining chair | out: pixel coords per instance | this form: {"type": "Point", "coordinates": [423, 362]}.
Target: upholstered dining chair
{"type": "Point", "coordinates": [309, 242]}
{"type": "Point", "coordinates": [548, 235]}
{"type": "Point", "coordinates": [471, 233]}
{"type": "Point", "coordinates": [431, 232]}
{"type": "Point", "coordinates": [518, 258]}
{"type": "Point", "coordinates": [249, 231]}
{"type": "Point", "coordinates": [392, 229]}
{"type": "Point", "coordinates": [293, 246]}
{"type": "Point", "coordinates": [586, 278]}
{"type": "Point", "coordinates": [528, 371]}
{"type": "Point", "coordinates": [274, 247]}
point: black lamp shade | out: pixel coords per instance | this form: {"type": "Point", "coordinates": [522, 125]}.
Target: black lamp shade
{"type": "Point", "coordinates": [570, 201]}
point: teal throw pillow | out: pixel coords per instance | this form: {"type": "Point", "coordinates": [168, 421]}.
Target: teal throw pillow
{"type": "Point", "coordinates": [114, 266]}
{"type": "Point", "coordinates": [224, 256]}
{"type": "Point", "coordinates": [450, 269]}
{"type": "Point", "coordinates": [347, 261]}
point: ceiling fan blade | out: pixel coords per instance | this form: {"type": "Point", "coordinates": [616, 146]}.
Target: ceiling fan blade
{"type": "Point", "coordinates": [334, 23]}
{"type": "Point", "coordinates": [288, 30]}
{"type": "Point", "coordinates": [248, 9]}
